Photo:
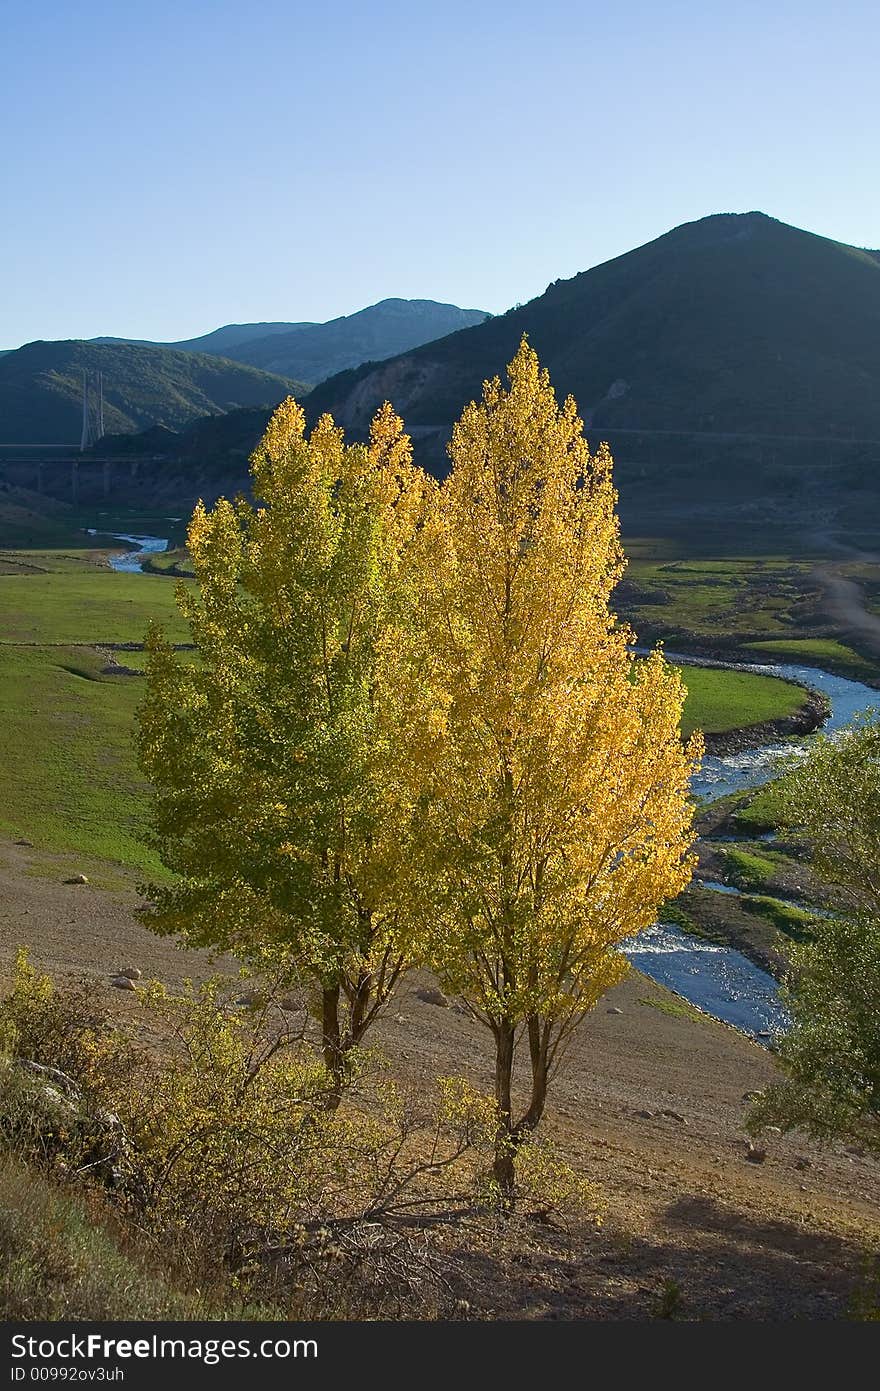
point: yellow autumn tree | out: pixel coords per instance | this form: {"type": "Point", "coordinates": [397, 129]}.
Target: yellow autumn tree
{"type": "Point", "coordinates": [558, 798]}
{"type": "Point", "coordinates": [272, 754]}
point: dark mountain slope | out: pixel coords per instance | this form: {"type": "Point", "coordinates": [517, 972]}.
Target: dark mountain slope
{"type": "Point", "coordinates": [736, 323]}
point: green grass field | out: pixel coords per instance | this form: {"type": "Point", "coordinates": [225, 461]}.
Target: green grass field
{"type": "Point", "coordinates": [68, 599]}
{"type": "Point", "coordinates": [66, 729]}
{"type": "Point", "coordinates": [720, 700]}
{"type": "Point", "coordinates": [714, 600]}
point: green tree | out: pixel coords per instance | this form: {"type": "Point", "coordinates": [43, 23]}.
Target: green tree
{"type": "Point", "coordinates": [831, 1054]}
{"type": "Point", "coordinates": [558, 786]}
{"type": "Point", "coordinates": [274, 752]}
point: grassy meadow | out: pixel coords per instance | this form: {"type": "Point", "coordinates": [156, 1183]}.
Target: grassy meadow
{"type": "Point", "coordinates": [66, 747]}
{"type": "Point", "coordinates": [745, 608]}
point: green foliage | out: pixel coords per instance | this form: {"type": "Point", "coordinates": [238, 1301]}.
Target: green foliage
{"type": "Point", "coordinates": [832, 798]}
{"type": "Point", "coordinates": [276, 757]}
{"type": "Point", "coordinates": [831, 1055]}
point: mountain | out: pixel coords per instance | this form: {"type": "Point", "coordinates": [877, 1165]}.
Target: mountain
{"type": "Point", "coordinates": [737, 323]}
{"type": "Point", "coordinates": [392, 326]}
{"type": "Point", "coordinates": [310, 352]}
{"type": "Point", "coordinates": [41, 389]}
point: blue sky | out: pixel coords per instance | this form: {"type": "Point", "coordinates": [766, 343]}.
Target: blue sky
{"type": "Point", "coordinates": [167, 167]}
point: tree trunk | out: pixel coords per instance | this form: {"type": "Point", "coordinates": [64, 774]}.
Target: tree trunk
{"type": "Point", "coordinates": [331, 1041]}
{"type": "Point", "coordinates": [505, 1143]}
{"type": "Point", "coordinates": [538, 1042]}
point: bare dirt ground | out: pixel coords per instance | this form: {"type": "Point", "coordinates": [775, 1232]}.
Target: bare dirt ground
{"type": "Point", "coordinates": [843, 599]}
{"type": "Point", "coordinates": [649, 1108]}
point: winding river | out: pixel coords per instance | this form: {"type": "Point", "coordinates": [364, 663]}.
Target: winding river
{"type": "Point", "coordinates": [716, 979]}
{"type": "Point", "coordinates": [132, 562]}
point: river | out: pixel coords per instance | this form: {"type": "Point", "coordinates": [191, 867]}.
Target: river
{"type": "Point", "coordinates": [719, 980]}
{"type": "Point", "coordinates": [132, 562]}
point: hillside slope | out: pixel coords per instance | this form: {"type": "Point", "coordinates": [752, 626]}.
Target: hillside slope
{"type": "Point", "coordinates": [736, 323]}
{"type": "Point", "coordinates": [41, 389]}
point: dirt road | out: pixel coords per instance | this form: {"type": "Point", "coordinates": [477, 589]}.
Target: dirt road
{"type": "Point", "coordinates": [843, 598]}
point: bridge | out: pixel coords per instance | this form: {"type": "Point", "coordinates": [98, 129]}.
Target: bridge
{"type": "Point", "coordinates": [70, 476]}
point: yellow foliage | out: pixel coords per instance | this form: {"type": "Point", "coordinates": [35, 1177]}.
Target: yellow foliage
{"type": "Point", "coordinates": [556, 785]}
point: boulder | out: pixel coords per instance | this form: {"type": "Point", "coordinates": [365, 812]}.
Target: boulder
{"type": "Point", "coordinates": [249, 1000]}
{"type": "Point", "coordinates": [77, 879]}
{"type": "Point", "coordinates": [430, 995]}
{"type": "Point", "coordinates": [131, 972]}
{"type": "Point", "coordinates": [123, 982]}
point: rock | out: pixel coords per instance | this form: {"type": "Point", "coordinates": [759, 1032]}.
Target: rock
{"type": "Point", "coordinates": [802, 1162]}
{"type": "Point", "coordinates": [77, 879]}
{"type": "Point", "coordinates": [430, 995]}
{"type": "Point", "coordinates": [131, 972]}
{"type": "Point", "coordinates": [755, 1155]}
{"type": "Point", "coordinates": [674, 1116]}
{"type": "Point", "coordinates": [614, 1010]}
{"type": "Point", "coordinates": [645, 1115]}
{"type": "Point", "coordinates": [24, 842]}
{"type": "Point", "coordinates": [248, 1000]}
{"type": "Point", "coordinates": [123, 982]}
{"type": "Point", "coordinates": [750, 1096]}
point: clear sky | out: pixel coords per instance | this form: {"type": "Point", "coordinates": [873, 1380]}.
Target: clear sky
{"type": "Point", "coordinates": [174, 165]}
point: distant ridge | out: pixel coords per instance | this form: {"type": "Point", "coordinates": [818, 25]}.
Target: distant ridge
{"type": "Point", "coordinates": [41, 389]}
{"type": "Point", "coordinates": [309, 352]}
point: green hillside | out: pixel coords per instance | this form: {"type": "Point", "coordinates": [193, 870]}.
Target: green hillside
{"type": "Point", "coordinates": [41, 389]}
